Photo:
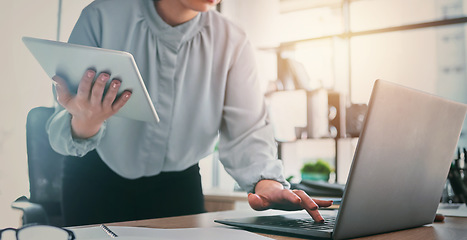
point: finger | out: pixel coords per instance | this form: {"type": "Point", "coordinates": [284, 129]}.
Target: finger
{"type": "Point", "coordinates": [288, 201]}
{"type": "Point", "coordinates": [439, 217]}
{"type": "Point", "coordinates": [84, 87]}
{"type": "Point", "coordinates": [111, 93]}
{"type": "Point", "coordinates": [257, 203]}
{"type": "Point", "coordinates": [121, 101]}
{"type": "Point", "coordinates": [98, 89]}
{"type": "Point", "coordinates": [63, 94]}
{"type": "Point", "coordinates": [307, 202]}
{"type": "Point", "coordinates": [310, 206]}
{"type": "Point", "coordinates": [323, 203]}
{"type": "Point", "coordinates": [285, 200]}
{"type": "Point", "coordinates": [291, 197]}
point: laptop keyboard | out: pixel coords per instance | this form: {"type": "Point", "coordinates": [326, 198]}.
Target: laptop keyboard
{"type": "Point", "coordinates": [305, 223]}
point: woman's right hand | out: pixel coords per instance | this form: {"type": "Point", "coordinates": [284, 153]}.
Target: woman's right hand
{"type": "Point", "coordinates": [89, 108]}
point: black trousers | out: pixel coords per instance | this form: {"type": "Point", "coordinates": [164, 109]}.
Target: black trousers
{"type": "Point", "coordinates": [93, 193]}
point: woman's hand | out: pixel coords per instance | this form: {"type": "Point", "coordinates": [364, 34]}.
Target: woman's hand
{"type": "Point", "coordinates": [270, 194]}
{"type": "Point", "coordinates": [89, 108]}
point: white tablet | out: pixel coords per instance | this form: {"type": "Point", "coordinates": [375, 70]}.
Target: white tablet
{"type": "Point", "coordinates": [70, 61]}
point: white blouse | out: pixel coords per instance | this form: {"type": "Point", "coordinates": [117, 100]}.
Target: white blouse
{"type": "Point", "coordinates": [202, 79]}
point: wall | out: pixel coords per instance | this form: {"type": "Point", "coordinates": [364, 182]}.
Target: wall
{"type": "Point", "coordinates": [259, 19]}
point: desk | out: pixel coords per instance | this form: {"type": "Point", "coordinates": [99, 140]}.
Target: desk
{"type": "Point", "coordinates": [452, 228]}
{"type": "Point", "coordinates": [220, 200]}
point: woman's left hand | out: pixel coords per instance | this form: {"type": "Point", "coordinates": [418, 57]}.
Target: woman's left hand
{"type": "Point", "coordinates": [270, 194]}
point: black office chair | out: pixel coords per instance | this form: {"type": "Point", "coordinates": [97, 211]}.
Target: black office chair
{"type": "Point", "coordinates": [45, 174]}
{"type": "Point", "coordinates": [45, 168]}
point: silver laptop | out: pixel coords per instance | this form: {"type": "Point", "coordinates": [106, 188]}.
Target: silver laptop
{"type": "Point", "coordinates": [398, 172]}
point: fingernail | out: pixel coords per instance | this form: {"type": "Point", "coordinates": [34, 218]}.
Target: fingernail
{"type": "Point", "coordinates": [320, 220]}
{"type": "Point", "coordinates": [115, 84]}
{"type": "Point", "coordinates": [104, 77]}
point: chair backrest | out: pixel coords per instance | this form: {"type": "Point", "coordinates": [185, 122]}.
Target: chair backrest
{"type": "Point", "coordinates": [45, 165]}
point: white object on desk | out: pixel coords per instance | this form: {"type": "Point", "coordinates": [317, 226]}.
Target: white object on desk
{"type": "Point", "coordinates": [452, 209]}
{"type": "Point", "coordinates": [139, 233]}
{"type": "Point", "coordinates": [123, 238]}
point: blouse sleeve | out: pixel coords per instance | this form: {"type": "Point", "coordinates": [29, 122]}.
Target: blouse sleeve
{"type": "Point", "coordinates": [86, 32]}
{"type": "Point", "coordinates": [247, 147]}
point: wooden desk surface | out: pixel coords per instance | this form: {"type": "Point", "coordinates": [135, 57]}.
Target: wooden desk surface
{"type": "Point", "coordinates": [452, 228]}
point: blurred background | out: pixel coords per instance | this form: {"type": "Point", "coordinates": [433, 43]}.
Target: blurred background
{"type": "Point", "coordinates": [317, 62]}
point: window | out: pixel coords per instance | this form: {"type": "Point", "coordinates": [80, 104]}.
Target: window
{"type": "Point", "coordinates": [350, 43]}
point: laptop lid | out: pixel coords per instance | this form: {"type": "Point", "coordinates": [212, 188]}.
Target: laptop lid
{"type": "Point", "coordinates": [401, 162]}
{"type": "Point", "coordinates": [399, 167]}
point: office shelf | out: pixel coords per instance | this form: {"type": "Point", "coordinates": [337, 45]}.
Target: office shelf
{"type": "Point", "coordinates": [437, 23]}
{"type": "Point", "coordinates": [347, 33]}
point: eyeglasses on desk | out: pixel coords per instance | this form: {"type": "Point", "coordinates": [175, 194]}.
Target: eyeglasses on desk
{"type": "Point", "coordinates": [36, 232]}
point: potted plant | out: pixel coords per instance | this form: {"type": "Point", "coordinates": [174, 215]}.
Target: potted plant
{"type": "Point", "coordinates": [316, 171]}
